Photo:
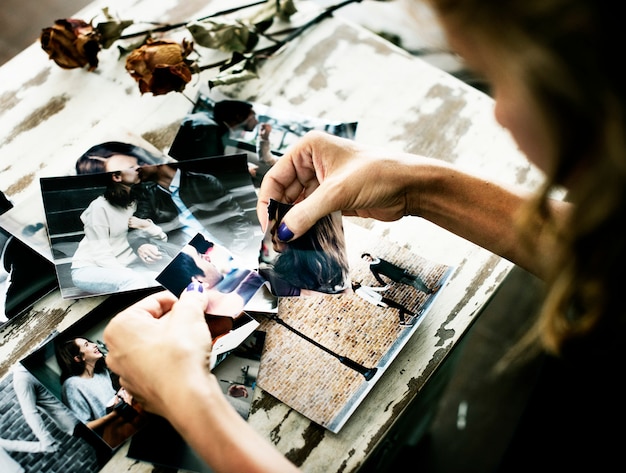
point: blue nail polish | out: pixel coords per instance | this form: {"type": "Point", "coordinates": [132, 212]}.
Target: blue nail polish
{"type": "Point", "coordinates": [284, 234]}
{"type": "Point", "coordinates": [195, 286]}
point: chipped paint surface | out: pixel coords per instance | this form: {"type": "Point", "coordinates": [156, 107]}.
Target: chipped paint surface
{"type": "Point", "coordinates": [336, 71]}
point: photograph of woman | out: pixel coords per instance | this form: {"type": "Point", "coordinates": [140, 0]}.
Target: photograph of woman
{"type": "Point", "coordinates": [88, 218]}
{"type": "Point", "coordinates": [93, 393]}
{"type": "Point", "coordinates": [104, 262]}
{"type": "Point", "coordinates": [315, 263]}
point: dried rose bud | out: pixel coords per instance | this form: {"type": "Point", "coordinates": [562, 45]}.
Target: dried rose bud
{"type": "Point", "coordinates": [71, 43]}
{"type": "Point", "coordinates": [160, 67]}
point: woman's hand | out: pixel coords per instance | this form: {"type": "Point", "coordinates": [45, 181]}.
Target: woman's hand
{"type": "Point", "coordinates": [323, 173]}
{"type": "Point", "coordinates": [161, 348]}
{"type": "Point", "coordinates": [149, 253]}
{"type": "Point", "coordinates": [140, 223]}
{"type": "Point", "coordinates": [159, 344]}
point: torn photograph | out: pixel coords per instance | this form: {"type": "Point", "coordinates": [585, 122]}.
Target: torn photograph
{"type": "Point", "coordinates": [213, 196]}
{"type": "Point", "coordinates": [234, 290]}
{"type": "Point", "coordinates": [218, 125]}
{"type": "Point", "coordinates": [340, 345]}
{"type": "Point", "coordinates": [316, 262]}
{"type": "Point", "coordinates": [135, 220]}
{"type": "Point", "coordinates": [25, 277]}
{"type": "Point", "coordinates": [88, 218]}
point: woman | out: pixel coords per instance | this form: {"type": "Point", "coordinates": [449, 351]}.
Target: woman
{"type": "Point", "coordinates": [88, 390]}
{"type": "Point", "coordinates": [108, 219]}
{"type": "Point", "coordinates": [563, 100]}
{"type": "Point", "coordinates": [104, 262]}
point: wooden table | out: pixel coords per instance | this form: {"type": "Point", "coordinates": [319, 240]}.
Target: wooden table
{"type": "Point", "coordinates": [336, 71]}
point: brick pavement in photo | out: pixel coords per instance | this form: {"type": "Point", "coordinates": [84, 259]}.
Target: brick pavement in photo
{"type": "Point", "coordinates": [345, 324]}
{"type": "Point", "coordinates": [74, 455]}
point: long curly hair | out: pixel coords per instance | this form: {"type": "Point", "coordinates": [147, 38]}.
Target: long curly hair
{"type": "Point", "coordinates": [564, 50]}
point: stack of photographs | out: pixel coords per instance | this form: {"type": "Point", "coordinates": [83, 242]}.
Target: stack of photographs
{"type": "Point", "coordinates": [124, 219]}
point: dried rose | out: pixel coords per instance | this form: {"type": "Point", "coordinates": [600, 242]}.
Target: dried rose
{"type": "Point", "coordinates": [161, 67]}
{"type": "Point", "coordinates": [71, 43]}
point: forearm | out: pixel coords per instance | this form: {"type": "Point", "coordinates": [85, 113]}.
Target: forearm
{"type": "Point", "coordinates": [476, 209]}
{"type": "Point", "coordinates": [102, 421]}
{"type": "Point", "coordinates": [214, 429]}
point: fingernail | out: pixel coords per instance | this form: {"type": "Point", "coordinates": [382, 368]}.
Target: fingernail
{"type": "Point", "coordinates": [284, 233]}
{"type": "Point", "coordinates": [195, 286]}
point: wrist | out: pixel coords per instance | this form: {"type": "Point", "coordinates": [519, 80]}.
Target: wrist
{"type": "Point", "coordinates": [125, 410]}
{"type": "Point", "coordinates": [201, 388]}
{"type": "Point", "coordinates": [420, 179]}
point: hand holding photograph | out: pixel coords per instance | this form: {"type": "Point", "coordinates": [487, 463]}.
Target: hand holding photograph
{"type": "Point", "coordinates": [234, 290]}
{"type": "Point", "coordinates": [237, 371]}
{"type": "Point", "coordinates": [78, 421]}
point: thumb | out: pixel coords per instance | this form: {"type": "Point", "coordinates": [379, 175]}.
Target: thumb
{"type": "Point", "coordinates": [192, 302]}
{"type": "Point", "coordinates": [303, 215]}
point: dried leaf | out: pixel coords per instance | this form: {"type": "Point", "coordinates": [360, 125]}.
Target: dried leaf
{"type": "Point", "coordinates": [231, 75]}
{"type": "Point", "coordinates": [225, 35]}
{"type": "Point", "coordinates": [283, 10]}
{"type": "Point", "coordinates": [110, 31]}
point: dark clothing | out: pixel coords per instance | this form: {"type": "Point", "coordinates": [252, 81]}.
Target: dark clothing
{"type": "Point", "coordinates": [397, 274]}
{"type": "Point", "coordinates": [402, 311]}
{"type": "Point", "coordinates": [209, 202]}
{"type": "Point", "coordinates": [198, 136]}
{"type": "Point", "coordinates": [278, 286]}
{"type": "Point", "coordinates": [245, 282]}
{"type": "Point", "coordinates": [31, 277]}
{"type": "Point", "coordinates": [573, 419]}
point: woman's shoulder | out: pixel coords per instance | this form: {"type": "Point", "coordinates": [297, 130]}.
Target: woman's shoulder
{"type": "Point", "coordinates": [95, 205]}
{"type": "Point", "coordinates": [78, 380]}
{"type": "Point", "coordinates": [72, 382]}
{"type": "Point", "coordinates": [99, 202]}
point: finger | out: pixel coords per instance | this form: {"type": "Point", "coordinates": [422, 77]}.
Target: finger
{"type": "Point", "coordinates": [156, 305]}
{"type": "Point", "coordinates": [192, 303]}
{"type": "Point", "coordinates": [134, 318]}
{"type": "Point", "coordinates": [135, 398]}
{"type": "Point", "coordinates": [303, 215]}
